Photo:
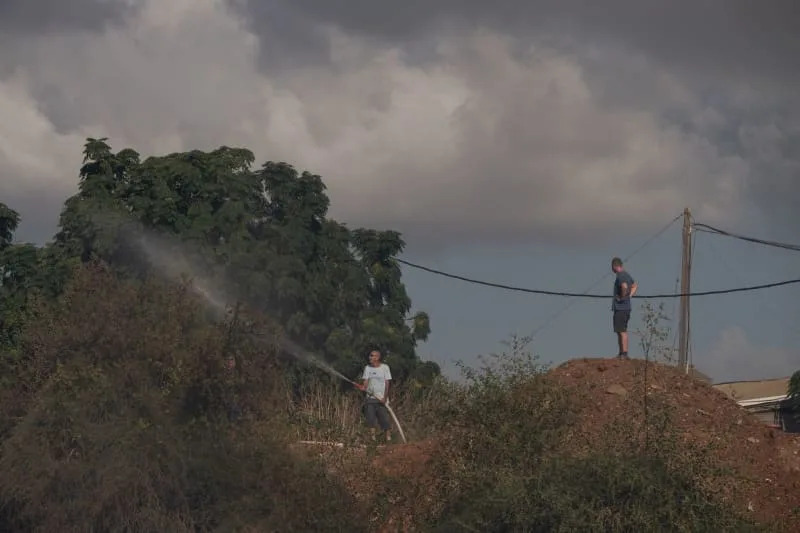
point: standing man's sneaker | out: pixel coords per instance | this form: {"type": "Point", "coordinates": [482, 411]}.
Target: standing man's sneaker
{"type": "Point", "coordinates": [623, 356]}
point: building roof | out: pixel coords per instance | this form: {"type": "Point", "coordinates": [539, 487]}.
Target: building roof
{"type": "Point", "coordinates": [752, 390]}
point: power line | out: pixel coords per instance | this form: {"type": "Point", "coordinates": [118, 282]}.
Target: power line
{"type": "Point", "coordinates": [596, 296]}
{"type": "Point", "coordinates": [736, 276]}
{"type": "Point", "coordinates": [711, 229]}
{"type": "Point", "coordinates": [569, 303]}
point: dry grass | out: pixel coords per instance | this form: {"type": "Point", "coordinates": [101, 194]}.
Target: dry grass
{"type": "Point", "coordinates": [327, 412]}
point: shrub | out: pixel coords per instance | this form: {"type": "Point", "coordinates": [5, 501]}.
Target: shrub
{"type": "Point", "coordinates": [506, 464]}
{"type": "Point", "coordinates": [127, 423]}
{"type": "Point", "coordinates": [595, 493]}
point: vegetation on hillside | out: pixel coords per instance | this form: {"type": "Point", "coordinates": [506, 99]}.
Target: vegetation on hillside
{"type": "Point", "coordinates": [118, 419]}
{"type": "Point", "coordinates": [125, 405]}
{"type": "Point", "coordinates": [505, 460]}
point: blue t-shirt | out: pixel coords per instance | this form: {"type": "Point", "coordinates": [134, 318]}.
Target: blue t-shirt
{"type": "Point", "coordinates": [624, 304]}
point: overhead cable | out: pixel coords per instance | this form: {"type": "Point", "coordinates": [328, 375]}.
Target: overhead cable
{"type": "Point", "coordinates": [569, 303]}
{"type": "Point", "coordinates": [567, 294]}
{"type": "Point", "coordinates": [711, 229]}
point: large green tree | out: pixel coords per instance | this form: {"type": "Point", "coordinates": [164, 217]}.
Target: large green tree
{"type": "Point", "coordinates": [336, 291]}
{"type": "Point", "coordinates": [18, 273]}
{"type": "Point", "coordinates": [9, 220]}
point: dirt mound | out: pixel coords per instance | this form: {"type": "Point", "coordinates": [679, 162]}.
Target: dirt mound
{"type": "Point", "coordinates": [406, 459]}
{"type": "Point", "coordinates": [767, 461]}
{"type": "Point", "coordinates": [390, 479]}
{"type": "Point", "coordinates": [760, 466]}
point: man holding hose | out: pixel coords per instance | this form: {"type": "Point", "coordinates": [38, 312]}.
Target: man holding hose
{"type": "Point", "coordinates": [376, 378]}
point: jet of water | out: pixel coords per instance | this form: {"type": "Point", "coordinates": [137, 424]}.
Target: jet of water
{"type": "Point", "coordinates": [167, 258]}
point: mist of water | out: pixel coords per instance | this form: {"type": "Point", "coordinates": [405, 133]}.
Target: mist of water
{"type": "Point", "coordinates": [166, 256]}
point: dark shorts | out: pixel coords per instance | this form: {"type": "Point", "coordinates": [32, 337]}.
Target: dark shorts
{"type": "Point", "coordinates": [621, 319]}
{"type": "Point", "coordinates": [377, 414]}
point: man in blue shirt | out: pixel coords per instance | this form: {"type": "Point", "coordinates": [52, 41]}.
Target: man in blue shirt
{"type": "Point", "coordinates": [624, 288]}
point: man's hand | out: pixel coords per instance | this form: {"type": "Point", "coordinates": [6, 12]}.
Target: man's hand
{"type": "Point", "coordinates": [360, 386]}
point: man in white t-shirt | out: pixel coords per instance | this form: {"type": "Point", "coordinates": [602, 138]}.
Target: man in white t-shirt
{"type": "Point", "coordinates": [376, 378]}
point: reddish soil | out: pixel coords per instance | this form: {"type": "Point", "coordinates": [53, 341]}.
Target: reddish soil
{"type": "Point", "coordinates": [390, 479]}
{"type": "Point", "coordinates": [767, 460]}
{"type": "Point", "coordinates": [609, 396]}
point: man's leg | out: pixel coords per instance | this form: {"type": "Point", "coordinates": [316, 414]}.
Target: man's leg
{"type": "Point", "coordinates": [621, 329]}
{"type": "Point", "coordinates": [383, 419]}
{"type": "Point", "coordinates": [625, 334]}
{"type": "Point", "coordinates": [372, 416]}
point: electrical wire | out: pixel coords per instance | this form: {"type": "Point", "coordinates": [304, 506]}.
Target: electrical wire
{"type": "Point", "coordinates": [569, 303]}
{"type": "Point", "coordinates": [567, 294]}
{"type": "Point", "coordinates": [736, 276]}
{"type": "Point", "coordinates": [711, 229]}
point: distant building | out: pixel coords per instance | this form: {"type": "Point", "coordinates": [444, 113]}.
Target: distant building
{"type": "Point", "coordinates": [766, 399]}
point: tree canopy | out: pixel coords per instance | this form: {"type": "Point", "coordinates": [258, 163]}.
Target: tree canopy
{"type": "Point", "coordinates": [9, 220]}
{"type": "Point", "coordinates": [336, 291]}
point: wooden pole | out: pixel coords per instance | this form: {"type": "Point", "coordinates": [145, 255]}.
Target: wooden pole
{"type": "Point", "coordinates": [683, 347]}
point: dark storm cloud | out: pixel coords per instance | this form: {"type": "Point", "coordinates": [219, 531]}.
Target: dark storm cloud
{"type": "Point", "coordinates": [22, 21]}
{"type": "Point", "coordinates": [739, 37]}
{"type": "Point", "coordinates": [48, 16]}
{"type": "Point", "coordinates": [738, 56]}
{"type": "Point", "coordinates": [574, 138]}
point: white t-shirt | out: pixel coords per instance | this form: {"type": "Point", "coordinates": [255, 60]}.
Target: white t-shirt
{"type": "Point", "coordinates": [376, 377]}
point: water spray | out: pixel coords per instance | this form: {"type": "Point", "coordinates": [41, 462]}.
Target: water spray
{"type": "Point", "coordinates": [171, 263]}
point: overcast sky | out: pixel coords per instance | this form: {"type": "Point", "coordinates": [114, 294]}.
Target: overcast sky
{"type": "Point", "coordinates": [519, 141]}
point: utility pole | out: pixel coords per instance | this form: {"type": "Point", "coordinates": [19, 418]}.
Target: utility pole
{"type": "Point", "coordinates": [686, 271]}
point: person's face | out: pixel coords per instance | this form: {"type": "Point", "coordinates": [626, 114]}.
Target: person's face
{"type": "Point", "coordinates": [615, 268]}
{"type": "Point", "coordinates": [375, 358]}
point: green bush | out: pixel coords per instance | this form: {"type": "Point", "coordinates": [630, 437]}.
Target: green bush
{"type": "Point", "coordinates": [594, 494]}
{"type": "Point", "coordinates": [506, 464]}
{"type": "Point", "coordinates": [125, 423]}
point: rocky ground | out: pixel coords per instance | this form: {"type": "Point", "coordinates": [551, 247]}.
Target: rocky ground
{"type": "Point", "coordinates": [761, 465]}
{"type": "Point", "coordinates": [766, 461]}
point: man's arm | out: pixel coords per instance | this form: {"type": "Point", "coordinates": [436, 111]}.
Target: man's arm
{"type": "Point", "coordinates": [627, 287]}
{"type": "Point", "coordinates": [623, 291]}
{"type": "Point", "coordinates": [364, 381]}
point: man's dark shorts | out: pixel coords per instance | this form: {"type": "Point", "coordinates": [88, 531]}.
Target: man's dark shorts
{"type": "Point", "coordinates": [377, 414]}
{"type": "Point", "coordinates": [621, 319]}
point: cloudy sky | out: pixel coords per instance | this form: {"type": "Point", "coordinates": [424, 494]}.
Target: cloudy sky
{"type": "Point", "coordinates": [525, 143]}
